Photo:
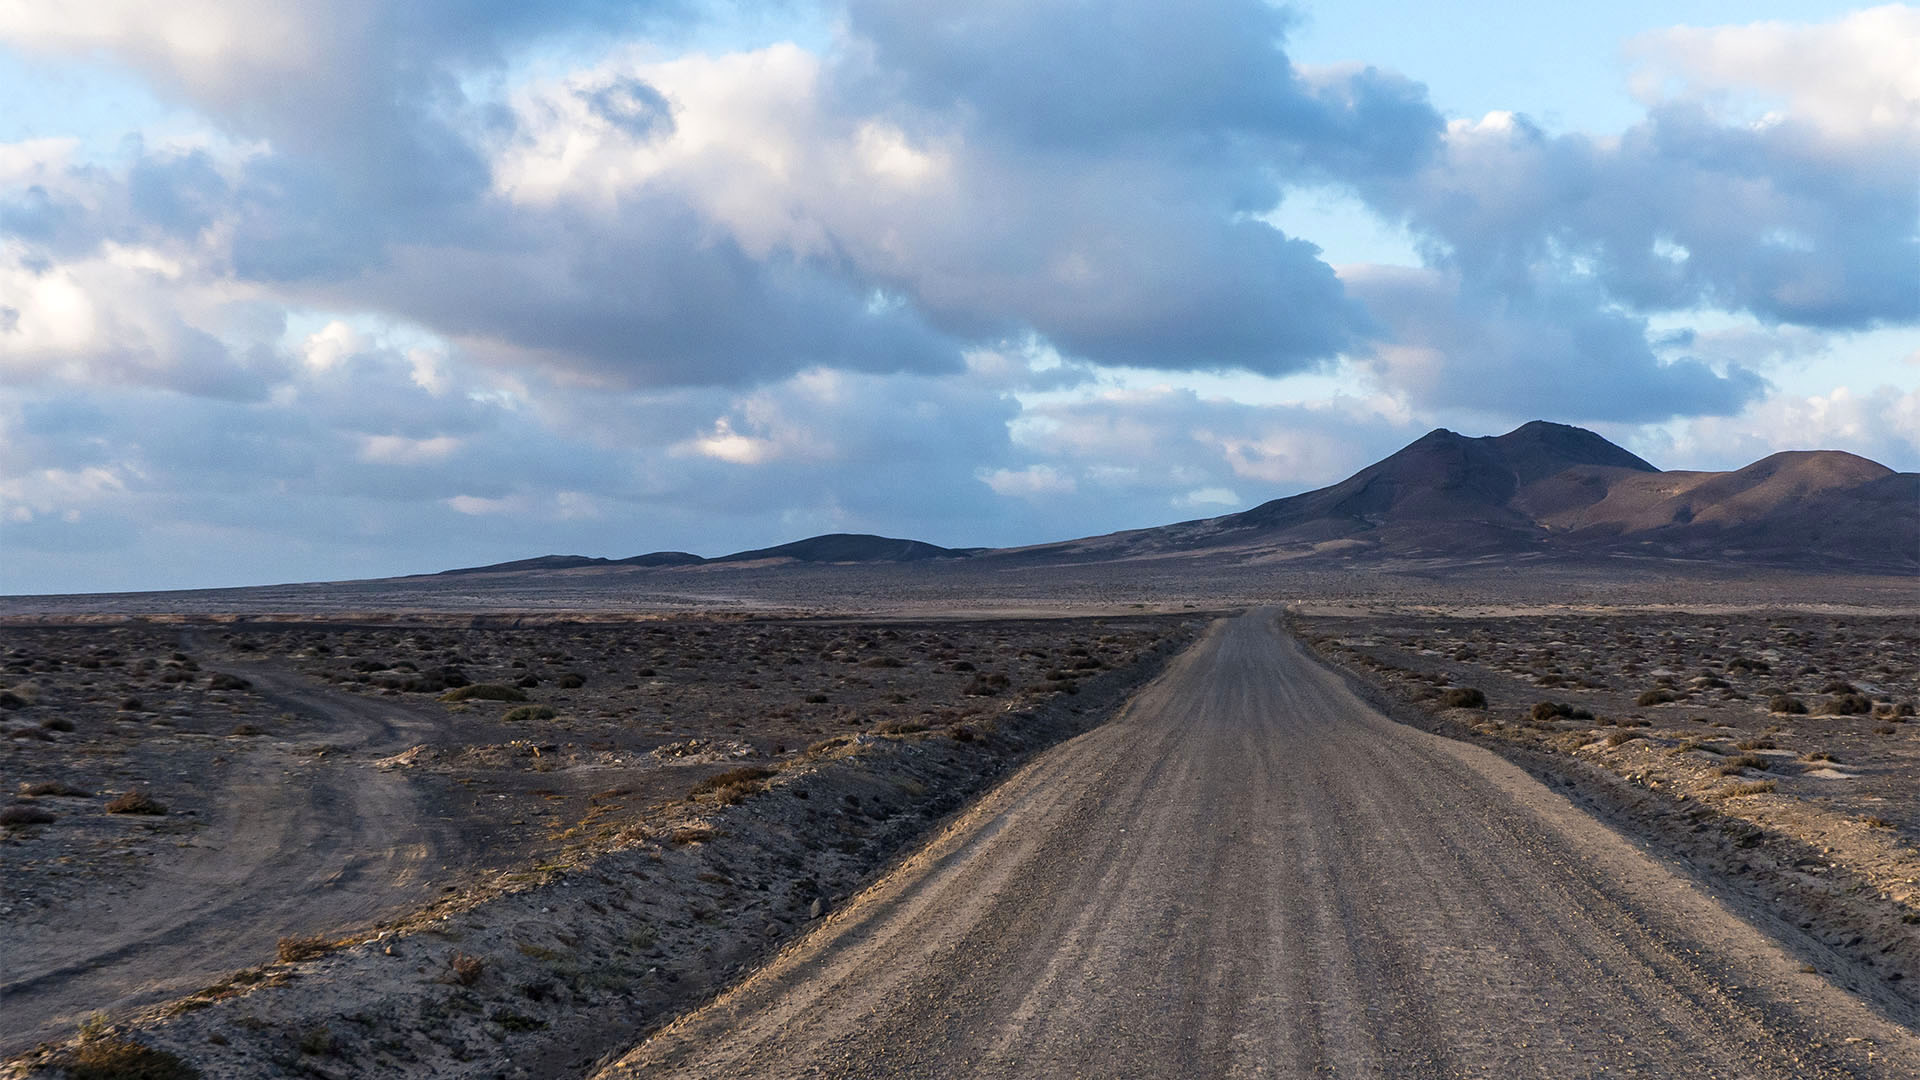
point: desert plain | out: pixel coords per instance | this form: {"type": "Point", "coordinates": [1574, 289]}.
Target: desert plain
{"type": "Point", "coordinates": [503, 839]}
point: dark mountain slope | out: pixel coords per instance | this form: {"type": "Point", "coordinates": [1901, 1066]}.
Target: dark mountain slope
{"type": "Point", "coordinates": [538, 562]}
{"type": "Point", "coordinates": [849, 548]}
{"type": "Point", "coordinates": [1554, 488]}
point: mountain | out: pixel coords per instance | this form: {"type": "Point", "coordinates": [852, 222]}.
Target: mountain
{"type": "Point", "coordinates": [1540, 489]}
{"type": "Point", "coordinates": [830, 548]}
{"type": "Point", "coordinates": [1551, 488]}
{"type": "Point", "coordinates": [1808, 503]}
{"type": "Point", "coordinates": [849, 548]}
{"type": "Point", "coordinates": [539, 562]}
{"type": "Point", "coordinates": [662, 558]}
{"type": "Point", "coordinates": [575, 562]}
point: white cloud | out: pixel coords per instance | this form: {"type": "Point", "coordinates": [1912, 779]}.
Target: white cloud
{"type": "Point", "coordinates": [1208, 498]}
{"type": "Point", "coordinates": [400, 450]}
{"type": "Point", "coordinates": [331, 344]}
{"type": "Point", "coordinates": [725, 444]}
{"type": "Point", "coordinates": [31, 161]}
{"type": "Point", "coordinates": [1032, 482]}
{"type": "Point", "coordinates": [1882, 424]}
{"type": "Point", "coordinates": [479, 506]}
{"type": "Point", "coordinates": [61, 493]}
{"type": "Point", "coordinates": [1856, 77]}
{"type": "Point", "coordinates": [429, 370]}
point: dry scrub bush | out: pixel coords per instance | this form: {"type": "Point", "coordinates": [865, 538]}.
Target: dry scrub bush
{"type": "Point", "coordinates": [136, 802]}
{"type": "Point", "coordinates": [987, 685]}
{"type": "Point", "coordinates": [1464, 697]}
{"type": "Point", "coordinates": [734, 785]}
{"type": "Point", "coordinates": [483, 692]}
{"type": "Point", "coordinates": [1548, 711]}
{"type": "Point", "coordinates": [55, 787]}
{"type": "Point", "coordinates": [1656, 697]}
{"type": "Point", "coordinates": [24, 814]}
{"type": "Point", "coordinates": [527, 713]}
{"type": "Point", "coordinates": [466, 970]}
{"type": "Point", "coordinates": [292, 950]}
{"type": "Point", "coordinates": [111, 1057]}
{"type": "Point", "coordinates": [1849, 705]}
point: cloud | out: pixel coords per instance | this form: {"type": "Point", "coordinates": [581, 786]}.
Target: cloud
{"type": "Point", "coordinates": [1144, 256]}
{"type": "Point", "coordinates": [1032, 482]}
{"type": "Point", "coordinates": [1855, 78]}
{"type": "Point", "coordinates": [1882, 424]}
{"type": "Point", "coordinates": [488, 274]}
{"type": "Point", "coordinates": [1168, 447]}
{"type": "Point", "coordinates": [1567, 353]}
{"type": "Point", "coordinates": [400, 450]}
{"type": "Point", "coordinates": [1801, 215]}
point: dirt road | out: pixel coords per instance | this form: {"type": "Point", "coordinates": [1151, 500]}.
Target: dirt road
{"type": "Point", "coordinates": [296, 843]}
{"type": "Point", "coordinates": [1251, 873]}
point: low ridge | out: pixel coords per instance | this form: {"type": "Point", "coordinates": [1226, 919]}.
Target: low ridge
{"type": "Point", "coordinates": [850, 548]}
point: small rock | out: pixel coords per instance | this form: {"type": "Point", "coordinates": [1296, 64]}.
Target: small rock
{"type": "Point", "coordinates": [817, 908]}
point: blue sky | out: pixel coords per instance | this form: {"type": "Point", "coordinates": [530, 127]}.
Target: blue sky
{"type": "Point", "coordinates": [300, 292]}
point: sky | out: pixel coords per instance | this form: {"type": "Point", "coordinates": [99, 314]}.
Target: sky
{"type": "Point", "coordinates": [297, 292]}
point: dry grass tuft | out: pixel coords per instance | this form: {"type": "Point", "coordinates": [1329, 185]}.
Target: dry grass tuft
{"type": "Point", "coordinates": [690, 834]}
{"type": "Point", "coordinates": [1750, 787]}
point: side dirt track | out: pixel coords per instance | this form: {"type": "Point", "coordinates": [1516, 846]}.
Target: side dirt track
{"type": "Point", "coordinates": [293, 840]}
{"type": "Point", "coordinates": [1253, 872]}
{"type": "Point", "coordinates": [551, 968]}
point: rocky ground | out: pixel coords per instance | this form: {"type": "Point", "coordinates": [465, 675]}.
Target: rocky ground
{"type": "Point", "coordinates": [640, 808]}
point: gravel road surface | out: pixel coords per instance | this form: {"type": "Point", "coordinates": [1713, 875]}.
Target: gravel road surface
{"type": "Point", "coordinates": [1252, 873]}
